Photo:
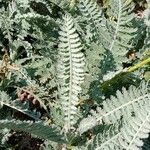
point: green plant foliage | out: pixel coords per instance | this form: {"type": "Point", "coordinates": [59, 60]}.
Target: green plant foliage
{"type": "Point", "coordinates": [44, 132]}
{"type": "Point", "coordinates": [93, 16]}
{"type": "Point", "coordinates": [130, 136]}
{"type": "Point", "coordinates": [121, 29]}
{"type": "Point", "coordinates": [74, 74]}
{"type": "Point", "coordinates": [70, 70]}
{"type": "Point", "coordinates": [113, 109]}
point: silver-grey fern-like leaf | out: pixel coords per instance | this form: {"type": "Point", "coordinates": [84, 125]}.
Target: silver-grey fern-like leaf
{"type": "Point", "coordinates": [70, 70]}
{"type": "Point", "coordinates": [114, 108]}
{"type": "Point", "coordinates": [105, 140]}
{"type": "Point", "coordinates": [120, 29]}
{"type": "Point", "coordinates": [18, 106]}
{"type": "Point", "coordinates": [147, 23]}
{"type": "Point", "coordinates": [92, 14]}
{"type": "Point", "coordinates": [115, 32]}
{"type": "Point", "coordinates": [136, 129]}
{"type": "Point", "coordinates": [130, 136]}
{"type": "Point", "coordinates": [35, 128]}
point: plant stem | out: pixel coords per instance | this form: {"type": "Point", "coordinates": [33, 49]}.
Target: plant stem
{"type": "Point", "coordinates": [138, 65]}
